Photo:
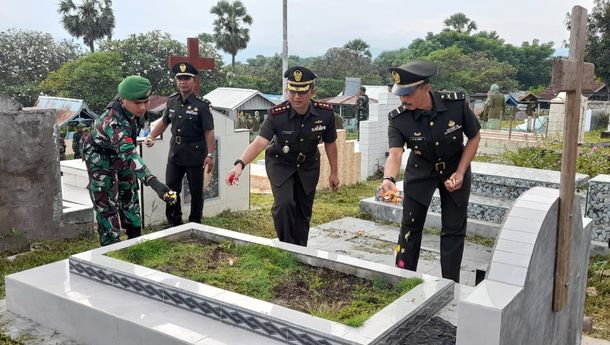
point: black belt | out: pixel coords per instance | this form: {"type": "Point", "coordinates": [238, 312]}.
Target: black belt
{"type": "Point", "coordinates": [179, 139]}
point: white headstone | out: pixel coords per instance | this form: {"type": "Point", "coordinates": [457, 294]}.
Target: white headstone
{"type": "Point", "coordinates": [557, 114]}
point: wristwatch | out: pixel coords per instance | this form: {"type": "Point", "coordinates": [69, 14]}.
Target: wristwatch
{"type": "Point", "coordinates": [211, 155]}
{"type": "Point", "coordinates": [389, 178]}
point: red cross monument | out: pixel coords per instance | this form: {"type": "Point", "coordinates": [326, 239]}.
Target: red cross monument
{"type": "Point", "coordinates": [193, 57]}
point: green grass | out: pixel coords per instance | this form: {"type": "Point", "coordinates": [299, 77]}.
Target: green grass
{"type": "Point", "coordinates": [259, 271]}
{"type": "Point", "coordinates": [597, 306]}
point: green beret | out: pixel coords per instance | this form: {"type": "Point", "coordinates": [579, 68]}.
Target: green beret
{"type": "Point", "coordinates": [134, 88]}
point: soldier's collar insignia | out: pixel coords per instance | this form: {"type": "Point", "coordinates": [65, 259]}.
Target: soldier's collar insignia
{"type": "Point", "coordinates": [182, 68]}
{"type": "Point", "coordinates": [417, 134]}
{"type": "Point", "coordinates": [451, 123]}
{"type": "Point", "coordinates": [298, 75]}
{"type": "Point", "coordinates": [396, 77]}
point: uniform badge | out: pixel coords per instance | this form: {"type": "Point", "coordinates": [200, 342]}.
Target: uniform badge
{"type": "Point", "coordinates": [417, 152]}
{"type": "Point", "coordinates": [451, 123]}
{"type": "Point", "coordinates": [189, 107]}
{"type": "Point", "coordinates": [286, 149]}
{"type": "Point", "coordinates": [182, 68]}
{"type": "Point", "coordinates": [396, 77]}
{"type": "Point", "coordinates": [298, 75]}
{"type": "Point", "coordinates": [196, 109]}
{"type": "Point", "coordinates": [317, 122]}
{"type": "Point", "coordinates": [417, 134]}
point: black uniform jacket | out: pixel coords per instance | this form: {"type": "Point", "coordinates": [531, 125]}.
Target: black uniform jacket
{"type": "Point", "coordinates": [294, 142]}
{"type": "Point", "coordinates": [436, 140]}
{"type": "Point", "coordinates": [189, 118]}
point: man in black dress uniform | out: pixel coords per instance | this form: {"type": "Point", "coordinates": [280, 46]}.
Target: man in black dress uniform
{"type": "Point", "coordinates": [291, 133]}
{"type": "Point", "coordinates": [192, 144]}
{"type": "Point", "coordinates": [433, 126]}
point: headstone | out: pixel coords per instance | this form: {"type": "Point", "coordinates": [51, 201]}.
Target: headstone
{"type": "Point", "coordinates": [557, 114]}
{"type": "Point", "coordinates": [8, 103]}
{"type": "Point", "coordinates": [30, 188]}
{"type": "Point", "coordinates": [218, 196]}
{"type": "Point", "coordinates": [514, 304]}
{"type": "Point", "coordinates": [373, 143]}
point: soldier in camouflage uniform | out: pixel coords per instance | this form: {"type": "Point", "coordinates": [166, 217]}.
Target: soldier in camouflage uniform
{"type": "Point", "coordinates": [291, 133]}
{"type": "Point", "coordinates": [114, 164]}
{"type": "Point", "coordinates": [61, 144]}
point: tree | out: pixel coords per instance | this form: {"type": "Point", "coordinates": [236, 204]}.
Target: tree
{"type": "Point", "coordinates": [460, 23]}
{"type": "Point", "coordinates": [598, 39]}
{"type": "Point", "coordinates": [27, 57]}
{"type": "Point", "coordinates": [229, 33]}
{"type": "Point", "coordinates": [338, 63]}
{"type": "Point", "coordinates": [93, 78]}
{"type": "Point", "coordinates": [472, 73]}
{"type": "Point", "coordinates": [146, 55]}
{"type": "Point", "coordinates": [359, 46]}
{"type": "Point", "coordinates": [91, 20]}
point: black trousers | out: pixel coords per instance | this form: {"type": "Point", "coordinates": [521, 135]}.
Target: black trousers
{"type": "Point", "coordinates": [174, 174]}
{"type": "Point", "coordinates": [291, 211]}
{"type": "Point", "coordinates": [453, 231]}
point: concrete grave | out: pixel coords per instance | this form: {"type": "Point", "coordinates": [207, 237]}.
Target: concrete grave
{"type": "Point", "coordinates": [31, 205]}
{"type": "Point", "coordinates": [222, 308]}
{"type": "Point", "coordinates": [514, 304]}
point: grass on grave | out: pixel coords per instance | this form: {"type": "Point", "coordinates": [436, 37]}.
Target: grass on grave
{"type": "Point", "coordinates": [271, 275]}
{"type": "Point", "coordinates": [596, 306]}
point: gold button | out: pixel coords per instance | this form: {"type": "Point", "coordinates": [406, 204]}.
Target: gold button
{"type": "Point", "coordinates": [286, 140]}
{"type": "Point", "coordinates": [301, 139]}
{"type": "Point", "coordinates": [453, 137]}
{"type": "Point", "coordinates": [436, 143]}
{"type": "Point", "coordinates": [276, 156]}
{"type": "Point", "coordinates": [180, 116]}
{"type": "Point", "coordinates": [431, 123]}
{"type": "Point", "coordinates": [412, 220]}
{"type": "Point", "coordinates": [298, 165]}
{"type": "Point", "coordinates": [439, 159]}
{"type": "Point", "coordinates": [178, 129]}
{"type": "Point", "coordinates": [416, 165]}
{"type": "Point", "coordinates": [416, 147]}
{"type": "Point", "coordinates": [302, 125]}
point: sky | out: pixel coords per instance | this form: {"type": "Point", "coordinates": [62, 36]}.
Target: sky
{"type": "Point", "coordinates": [314, 26]}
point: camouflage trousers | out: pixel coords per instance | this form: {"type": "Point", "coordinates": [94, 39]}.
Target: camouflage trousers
{"type": "Point", "coordinates": [113, 188]}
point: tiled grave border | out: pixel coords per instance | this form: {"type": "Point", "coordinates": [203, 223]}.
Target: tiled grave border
{"type": "Point", "coordinates": [85, 265]}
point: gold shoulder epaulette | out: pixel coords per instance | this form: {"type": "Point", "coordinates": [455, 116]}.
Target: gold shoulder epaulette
{"type": "Point", "coordinates": [279, 109]}
{"type": "Point", "coordinates": [323, 105]}
{"type": "Point", "coordinates": [396, 112]}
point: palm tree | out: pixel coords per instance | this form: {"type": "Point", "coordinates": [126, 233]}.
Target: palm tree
{"type": "Point", "coordinates": [229, 35]}
{"type": "Point", "coordinates": [91, 20]}
{"type": "Point", "coordinates": [460, 23]}
{"type": "Point", "coordinates": [360, 46]}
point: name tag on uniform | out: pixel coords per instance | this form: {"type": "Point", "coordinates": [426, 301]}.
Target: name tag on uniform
{"type": "Point", "coordinates": [287, 132]}
{"type": "Point", "coordinates": [452, 129]}
{"type": "Point", "coordinates": [191, 112]}
{"type": "Point", "coordinates": [318, 128]}
{"type": "Point", "coordinates": [417, 139]}
{"type": "Point", "coordinates": [172, 111]}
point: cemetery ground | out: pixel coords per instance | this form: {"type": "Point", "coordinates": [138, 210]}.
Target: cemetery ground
{"type": "Point", "coordinates": [328, 206]}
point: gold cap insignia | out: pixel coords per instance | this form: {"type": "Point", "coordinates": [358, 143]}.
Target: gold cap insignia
{"type": "Point", "coordinates": [451, 123]}
{"type": "Point", "coordinates": [298, 75]}
{"type": "Point", "coordinates": [396, 77]}
{"type": "Point", "coordinates": [417, 134]}
{"type": "Point", "coordinates": [182, 68]}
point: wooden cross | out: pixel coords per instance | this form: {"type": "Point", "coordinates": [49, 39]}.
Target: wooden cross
{"type": "Point", "coordinates": [572, 76]}
{"type": "Point", "coordinates": [193, 57]}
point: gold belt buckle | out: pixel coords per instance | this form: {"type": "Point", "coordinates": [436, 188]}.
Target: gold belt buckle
{"type": "Point", "coordinates": [178, 139]}
{"type": "Point", "coordinates": [439, 166]}
{"type": "Point", "coordinates": [301, 157]}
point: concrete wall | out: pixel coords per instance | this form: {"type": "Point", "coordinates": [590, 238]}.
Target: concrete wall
{"type": "Point", "coordinates": [30, 187]}
{"type": "Point", "coordinates": [513, 305]}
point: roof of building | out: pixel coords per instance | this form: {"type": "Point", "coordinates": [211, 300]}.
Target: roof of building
{"type": "Point", "coordinates": [67, 109]}
{"type": "Point", "coordinates": [232, 98]}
